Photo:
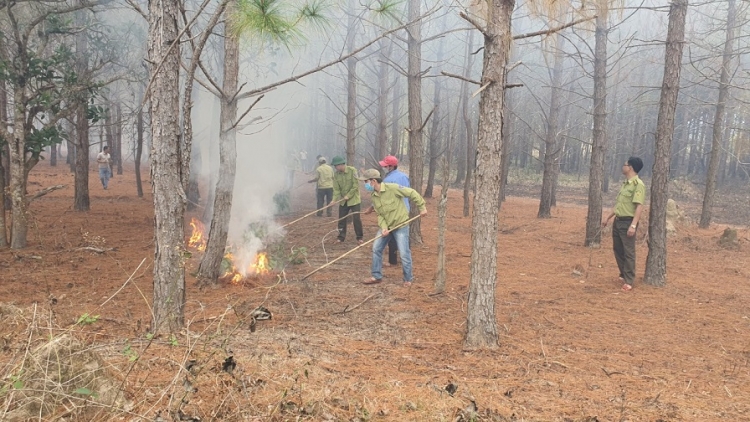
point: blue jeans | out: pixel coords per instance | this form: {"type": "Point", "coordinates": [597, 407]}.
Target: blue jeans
{"type": "Point", "coordinates": [402, 241]}
{"type": "Point", "coordinates": [104, 175]}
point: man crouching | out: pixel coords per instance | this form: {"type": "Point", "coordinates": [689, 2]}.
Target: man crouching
{"type": "Point", "coordinates": [387, 201]}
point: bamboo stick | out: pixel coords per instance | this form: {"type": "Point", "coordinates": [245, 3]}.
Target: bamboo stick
{"type": "Point", "coordinates": [359, 246]}
{"type": "Point", "coordinates": [311, 213]}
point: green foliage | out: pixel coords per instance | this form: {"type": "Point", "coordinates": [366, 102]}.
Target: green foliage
{"type": "Point", "coordinates": [173, 341]}
{"type": "Point", "coordinates": [87, 319]}
{"type": "Point", "coordinates": [282, 202]}
{"type": "Point", "coordinates": [276, 21]}
{"type": "Point", "coordinates": [86, 392]}
{"type": "Point", "coordinates": [131, 354]}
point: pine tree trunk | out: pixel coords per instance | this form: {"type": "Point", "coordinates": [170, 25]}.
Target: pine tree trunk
{"type": "Point", "coordinates": [395, 148]}
{"type": "Point", "coordinates": [552, 150]}
{"type": "Point", "coordinates": [166, 180]}
{"type": "Point", "coordinates": [139, 151]}
{"type": "Point", "coordinates": [351, 87]}
{"type": "Point", "coordinates": [718, 127]}
{"type": "Point", "coordinates": [381, 144]}
{"type": "Point", "coordinates": [656, 262]}
{"type": "Point", "coordinates": [468, 125]}
{"type": "Point", "coordinates": [599, 134]}
{"type": "Point", "coordinates": [481, 324]}
{"type": "Point", "coordinates": [81, 199]}
{"type": "Point", "coordinates": [210, 266]}
{"type": "Point", "coordinates": [118, 138]}
{"type": "Point", "coordinates": [414, 89]}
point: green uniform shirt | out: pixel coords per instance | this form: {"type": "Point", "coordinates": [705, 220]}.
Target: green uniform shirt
{"type": "Point", "coordinates": [346, 184]}
{"type": "Point", "coordinates": [389, 204]}
{"type": "Point", "coordinates": [324, 176]}
{"type": "Point", "coordinates": [632, 193]}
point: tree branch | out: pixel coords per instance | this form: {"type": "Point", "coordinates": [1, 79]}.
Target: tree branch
{"type": "Point", "coordinates": [43, 192]}
{"type": "Point", "coordinates": [471, 81]}
{"type": "Point", "coordinates": [476, 24]}
{"type": "Point", "coordinates": [247, 111]}
{"type": "Point", "coordinates": [552, 30]}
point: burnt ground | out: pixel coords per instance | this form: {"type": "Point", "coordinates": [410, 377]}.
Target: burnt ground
{"type": "Point", "coordinates": [573, 347]}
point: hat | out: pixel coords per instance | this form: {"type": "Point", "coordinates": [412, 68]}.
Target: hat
{"type": "Point", "coordinates": [321, 159]}
{"type": "Point", "coordinates": [338, 160]}
{"type": "Point", "coordinates": [369, 174]}
{"type": "Point", "coordinates": [389, 160]}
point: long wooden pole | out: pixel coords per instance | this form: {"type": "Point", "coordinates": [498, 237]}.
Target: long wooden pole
{"type": "Point", "coordinates": [359, 246]}
{"type": "Point", "coordinates": [311, 213]}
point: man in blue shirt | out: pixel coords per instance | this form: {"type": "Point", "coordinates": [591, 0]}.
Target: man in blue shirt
{"type": "Point", "coordinates": [393, 175]}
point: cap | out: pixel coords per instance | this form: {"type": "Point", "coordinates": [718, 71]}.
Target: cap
{"type": "Point", "coordinates": [389, 160]}
{"type": "Point", "coordinates": [338, 160]}
{"type": "Point", "coordinates": [321, 159]}
{"type": "Point", "coordinates": [369, 174]}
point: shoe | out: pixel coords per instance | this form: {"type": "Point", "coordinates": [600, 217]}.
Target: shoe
{"type": "Point", "coordinates": [627, 287]}
{"type": "Point", "coordinates": [339, 240]}
{"type": "Point", "coordinates": [406, 284]}
{"type": "Point", "coordinates": [373, 280]}
{"type": "Point", "coordinates": [360, 241]}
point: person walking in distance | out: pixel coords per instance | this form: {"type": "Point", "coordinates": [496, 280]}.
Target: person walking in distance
{"type": "Point", "coordinates": [393, 175]}
{"type": "Point", "coordinates": [387, 200]}
{"type": "Point", "coordinates": [346, 187]}
{"type": "Point", "coordinates": [627, 213]}
{"type": "Point", "coordinates": [105, 171]}
{"type": "Point", "coordinates": [324, 191]}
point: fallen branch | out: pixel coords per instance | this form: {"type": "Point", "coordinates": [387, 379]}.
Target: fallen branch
{"type": "Point", "coordinates": [609, 374]}
{"type": "Point", "coordinates": [311, 213]}
{"type": "Point", "coordinates": [93, 249]}
{"type": "Point", "coordinates": [43, 192]}
{"type": "Point", "coordinates": [348, 309]}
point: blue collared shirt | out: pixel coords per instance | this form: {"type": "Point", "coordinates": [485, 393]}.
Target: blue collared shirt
{"type": "Point", "coordinates": [399, 178]}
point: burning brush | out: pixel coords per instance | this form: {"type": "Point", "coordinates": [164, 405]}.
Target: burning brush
{"type": "Point", "coordinates": [235, 272]}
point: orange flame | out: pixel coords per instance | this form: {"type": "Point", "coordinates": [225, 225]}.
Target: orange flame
{"type": "Point", "coordinates": [261, 265]}
{"type": "Point", "coordinates": [197, 240]}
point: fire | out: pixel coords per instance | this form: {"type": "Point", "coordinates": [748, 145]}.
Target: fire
{"type": "Point", "coordinates": [261, 266]}
{"type": "Point", "coordinates": [197, 239]}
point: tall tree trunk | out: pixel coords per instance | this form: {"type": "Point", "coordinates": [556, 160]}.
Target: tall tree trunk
{"type": "Point", "coordinates": [70, 158]}
{"type": "Point", "coordinates": [414, 89]}
{"type": "Point", "coordinates": [17, 186]}
{"type": "Point", "coordinates": [351, 87]}
{"type": "Point", "coordinates": [118, 138]}
{"type": "Point", "coordinates": [481, 324]}
{"type": "Point", "coordinates": [552, 149]}
{"type": "Point", "coordinates": [81, 199]}
{"type": "Point", "coordinates": [718, 129]}
{"type": "Point", "coordinates": [468, 123]}
{"type": "Point", "coordinates": [656, 263]}
{"type": "Point", "coordinates": [210, 267]}
{"type": "Point", "coordinates": [381, 143]}
{"type": "Point", "coordinates": [166, 177]}
{"type": "Point", "coordinates": [395, 148]}
{"type": "Point", "coordinates": [139, 150]}
{"type": "Point", "coordinates": [3, 164]}
{"type": "Point", "coordinates": [599, 134]}
{"type": "Point", "coordinates": [53, 155]}
{"type": "Point", "coordinates": [435, 135]}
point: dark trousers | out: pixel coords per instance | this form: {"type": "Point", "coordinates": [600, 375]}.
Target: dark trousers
{"type": "Point", "coordinates": [624, 248]}
{"type": "Point", "coordinates": [344, 210]}
{"type": "Point", "coordinates": [324, 198]}
{"type": "Point", "coordinates": [392, 249]}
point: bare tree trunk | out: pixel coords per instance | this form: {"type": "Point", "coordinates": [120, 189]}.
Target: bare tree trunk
{"type": "Point", "coordinates": [166, 177]}
{"type": "Point", "coordinates": [19, 218]}
{"type": "Point", "coordinates": [656, 262]}
{"type": "Point", "coordinates": [468, 124]}
{"type": "Point", "coordinates": [381, 144]}
{"type": "Point", "coordinates": [118, 138]}
{"type": "Point", "coordinates": [210, 266]}
{"type": "Point", "coordinates": [81, 199]}
{"type": "Point", "coordinates": [599, 134]}
{"type": "Point", "coordinates": [552, 149]}
{"type": "Point", "coordinates": [414, 89]}
{"type": "Point", "coordinates": [139, 151]}
{"type": "Point", "coordinates": [53, 155]}
{"type": "Point", "coordinates": [351, 87]}
{"type": "Point", "coordinates": [70, 159]}
{"type": "Point", "coordinates": [718, 128]}
{"type": "Point", "coordinates": [3, 165]}
{"type": "Point", "coordinates": [481, 324]}
{"type": "Point", "coordinates": [435, 135]}
{"type": "Point", "coordinates": [395, 148]}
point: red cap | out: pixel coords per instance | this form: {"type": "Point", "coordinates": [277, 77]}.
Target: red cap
{"type": "Point", "coordinates": [389, 161]}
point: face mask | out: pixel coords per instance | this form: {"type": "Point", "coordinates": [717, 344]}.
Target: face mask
{"type": "Point", "coordinates": [369, 188]}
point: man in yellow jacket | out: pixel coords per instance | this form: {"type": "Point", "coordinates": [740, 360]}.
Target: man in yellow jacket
{"type": "Point", "coordinates": [388, 202]}
{"type": "Point", "coordinates": [324, 191]}
{"type": "Point", "coordinates": [346, 188]}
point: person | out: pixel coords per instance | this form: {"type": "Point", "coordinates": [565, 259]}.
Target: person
{"type": "Point", "coordinates": [387, 199]}
{"type": "Point", "coordinates": [324, 191]}
{"type": "Point", "coordinates": [627, 213]}
{"type": "Point", "coordinates": [105, 172]}
{"type": "Point", "coordinates": [291, 166]}
{"type": "Point", "coordinates": [346, 189]}
{"type": "Point", "coordinates": [394, 175]}
{"type": "Point", "coordinates": [303, 160]}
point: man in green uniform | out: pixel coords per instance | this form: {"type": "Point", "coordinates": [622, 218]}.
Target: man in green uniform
{"type": "Point", "coordinates": [346, 187]}
{"type": "Point", "coordinates": [324, 191]}
{"type": "Point", "coordinates": [388, 202]}
{"type": "Point", "coordinates": [627, 213]}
